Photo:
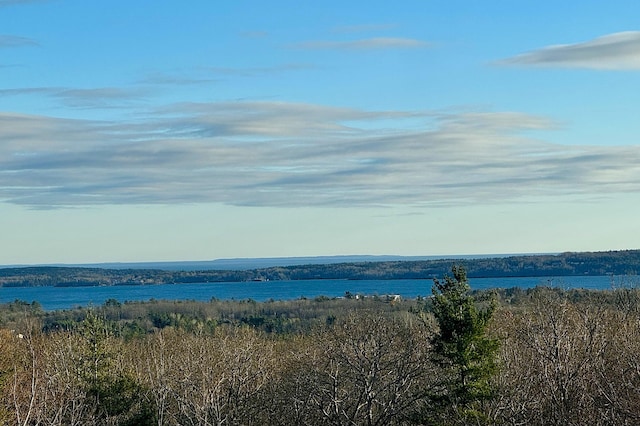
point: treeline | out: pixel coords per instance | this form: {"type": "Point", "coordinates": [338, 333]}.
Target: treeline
{"type": "Point", "coordinates": [564, 357]}
{"type": "Point", "coordinates": [597, 263]}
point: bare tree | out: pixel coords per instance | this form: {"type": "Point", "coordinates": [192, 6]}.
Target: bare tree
{"type": "Point", "coordinates": [208, 379]}
{"type": "Point", "coordinates": [373, 371]}
{"type": "Point", "coordinates": [552, 356]}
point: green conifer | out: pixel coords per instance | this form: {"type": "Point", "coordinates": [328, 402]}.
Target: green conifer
{"type": "Point", "coordinates": [462, 347]}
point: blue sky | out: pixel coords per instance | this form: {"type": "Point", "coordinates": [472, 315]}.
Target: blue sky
{"type": "Point", "coordinates": [163, 130]}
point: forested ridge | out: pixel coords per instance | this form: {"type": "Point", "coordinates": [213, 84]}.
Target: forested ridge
{"type": "Point", "coordinates": [625, 262]}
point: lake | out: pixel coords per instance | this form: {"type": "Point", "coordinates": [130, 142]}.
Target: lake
{"type": "Point", "coordinates": [53, 298]}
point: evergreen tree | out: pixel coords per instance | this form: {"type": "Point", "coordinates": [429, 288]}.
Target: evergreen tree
{"type": "Point", "coordinates": [462, 348]}
{"type": "Point", "coordinates": [116, 396]}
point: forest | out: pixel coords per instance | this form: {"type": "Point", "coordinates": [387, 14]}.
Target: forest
{"type": "Point", "coordinates": [538, 356]}
{"type": "Point", "coordinates": [624, 262]}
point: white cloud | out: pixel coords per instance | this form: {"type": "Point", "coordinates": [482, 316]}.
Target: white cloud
{"type": "Point", "coordinates": [287, 154]}
{"type": "Point", "coordinates": [374, 43]}
{"type": "Point", "coordinates": [618, 51]}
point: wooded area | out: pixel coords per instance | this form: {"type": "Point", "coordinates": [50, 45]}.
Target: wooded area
{"type": "Point", "coordinates": [625, 262]}
{"type": "Point", "coordinates": [509, 357]}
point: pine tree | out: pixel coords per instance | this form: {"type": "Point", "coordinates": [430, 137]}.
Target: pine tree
{"type": "Point", "coordinates": [115, 395]}
{"type": "Point", "coordinates": [462, 347]}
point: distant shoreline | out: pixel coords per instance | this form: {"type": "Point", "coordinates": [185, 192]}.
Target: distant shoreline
{"type": "Point", "coordinates": [247, 263]}
{"type": "Point", "coordinates": [623, 262]}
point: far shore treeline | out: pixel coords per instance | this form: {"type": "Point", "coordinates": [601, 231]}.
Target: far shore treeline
{"type": "Point", "coordinates": [624, 262]}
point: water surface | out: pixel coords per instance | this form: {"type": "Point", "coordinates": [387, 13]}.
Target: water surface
{"type": "Point", "coordinates": [52, 298]}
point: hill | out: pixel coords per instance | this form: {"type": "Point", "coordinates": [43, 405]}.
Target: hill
{"type": "Point", "coordinates": [625, 262]}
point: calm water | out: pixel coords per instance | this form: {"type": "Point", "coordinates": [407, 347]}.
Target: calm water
{"type": "Point", "coordinates": [52, 298]}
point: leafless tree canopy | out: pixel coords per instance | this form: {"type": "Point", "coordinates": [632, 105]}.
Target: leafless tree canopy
{"type": "Point", "coordinates": [565, 358]}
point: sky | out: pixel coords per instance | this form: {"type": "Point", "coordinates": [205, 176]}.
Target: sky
{"type": "Point", "coordinates": [165, 131]}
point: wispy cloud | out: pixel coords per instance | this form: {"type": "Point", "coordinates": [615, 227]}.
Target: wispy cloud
{"type": "Point", "coordinates": [618, 51]}
{"type": "Point", "coordinates": [168, 79]}
{"type": "Point", "coordinates": [14, 2]}
{"type": "Point", "coordinates": [16, 41]}
{"type": "Point", "coordinates": [254, 34]}
{"type": "Point", "coordinates": [103, 97]}
{"type": "Point", "coordinates": [258, 71]}
{"type": "Point", "coordinates": [287, 154]}
{"type": "Point", "coordinates": [374, 43]}
{"type": "Point", "coordinates": [213, 74]}
{"type": "Point", "coordinates": [363, 28]}
{"type": "Point", "coordinates": [29, 91]}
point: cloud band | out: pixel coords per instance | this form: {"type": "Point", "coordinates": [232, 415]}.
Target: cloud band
{"type": "Point", "coordinates": [286, 154]}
